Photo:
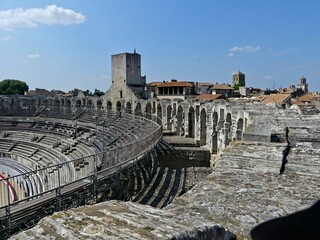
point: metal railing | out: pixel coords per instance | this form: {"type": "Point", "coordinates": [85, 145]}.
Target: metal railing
{"type": "Point", "coordinates": [115, 159]}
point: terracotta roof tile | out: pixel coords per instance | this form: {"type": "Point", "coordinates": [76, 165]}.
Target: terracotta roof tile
{"type": "Point", "coordinates": [221, 87]}
{"type": "Point", "coordinates": [275, 98]}
{"type": "Point", "coordinates": [154, 84]}
{"type": "Point", "coordinates": [208, 96]}
{"type": "Point", "coordinates": [176, 84]}
{"type": "Point", "coordinates": [306, 98]}
{"type": "Point", "coordinates": [205, 84]}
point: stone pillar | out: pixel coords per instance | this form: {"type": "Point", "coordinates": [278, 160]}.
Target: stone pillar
{"type": "Point", "coordinates": [239, 134]}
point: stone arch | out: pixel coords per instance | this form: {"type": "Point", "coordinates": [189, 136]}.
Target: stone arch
{"type": "Point", "coordinates": [68, 103]}
{"type": "Point", "coordinates": [118, 106]}
{"type": "Point", "coordinates": [221, 118]}
{"type": "Point", "coordinates": [138, 109]}
{"type": "Point", "coordinates": [239, 129]}
{"type": "Point", "coordinates": [109, 106]}
{"type": "Point", "coordinates": [148, 110]}
{"type": "Point", "coordinates": [57, 103]}
{"type": "Point", "coordinates": [180, 118]}
{"type": "Point", "coordinates": [159, 111]}
{"type": "Point", "coordinates": [214, 143]}
{"type": "Point", "coordinates": [227, 126]}
{"type": "Point", "coordinates": [57, 106]}
{"type": "Point", "coordinates": [203, 127]}
{"type": "Point", "coordinates": [191, 122]}
{"type": "Point", "coordinates": [33, 105]}
{"type": "Point", "coordinates": [169, 117]}
{"type": "Point", "coordinates": [89, 103]}
{"type": "Point", "coordinates": [46, 102]}
{"type": "Point", "coordinates": [78, 103]}
{"type": "Point", "coordinates": [229, 119]}
{"type": "Point", "coordinates": [128, 107]}
{"type": "Point", "coordinates": [99, 104]}
{"type": "Point", "coordinates": [67, 107]}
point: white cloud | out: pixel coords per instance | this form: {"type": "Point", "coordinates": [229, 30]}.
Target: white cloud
{"type": "Point", "coordinates": [12, 19]}
{"type": "Point", "coordinates": [33, 56]}
{"type": "Point", "coordinates": [7, 38]}
{"type": "Point", "coordinates": [268, 77]}
{"type": "Point", "coordinates": [247, 49]}
{"type": "Point", "coordinates": [102, 76]}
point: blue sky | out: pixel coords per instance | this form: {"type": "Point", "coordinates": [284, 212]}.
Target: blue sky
{"type": "Point", "coordinates": [68, 44]}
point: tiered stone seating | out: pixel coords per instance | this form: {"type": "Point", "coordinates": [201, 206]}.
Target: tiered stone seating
{"type": "Point", "coordinates": [44, 144]}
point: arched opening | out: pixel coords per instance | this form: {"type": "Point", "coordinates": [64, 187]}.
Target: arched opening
{"type": "Point", "coordinates": [221, 118]}
{"type": "Point", "coordinates": [227, 126]}
{"type": "Point", "coordinates": [57, 103]}
{"type": "Point", "coordinates": [239, 128]}
{"type": "Point", "coordinates": [128, 107]}
{"type": "Point", "coordinates": [228, 119]}
{"type": "Point", "coordinates": [191, 122]}
{"type": "Point", "coordinates": [78, 103]}
{"type": "Point", "coordinates": [180, 127]}
{"type": "Point", "coordinates": [169, 117]}
{"type": "Point", "coordinates": [214, 132]}
{"type": "Point", "coordinates": [68, 103]}
{"type": "Point", "coordinates": [109, 106]}
{"type": "Point", "coordinates": [57, 106]}
{"type": "Point", "coordinates": [203, 127]}
{"type": "Point", "coordinates": [33, 106]}
{"type": "Point", "coordinates": [159, 111]}
{"type": "Point", "coordinates": [45, 103]}
{"type": "Point", "coordinates": [89, 104]}
{"type": "Point", "coordinates": [99, 104]}
{"type": "Point", "coordinates": [67, 107]}
{"type": "Point", "coordinates": [148, 110]}
{"type": "Point", "coordinates": [118, 106]}
{"type": "Point", "coordinates": [138, 109]}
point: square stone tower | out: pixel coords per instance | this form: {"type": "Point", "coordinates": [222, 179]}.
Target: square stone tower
{"type": "Point", "coordinates": [239, 78]}
{"type": "Point", "coordinates": [126, 69]}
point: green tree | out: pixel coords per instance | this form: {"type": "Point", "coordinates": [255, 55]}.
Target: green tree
{"type": "Point", "coordinates": [87, 93]}
{"type": "Point", "coordinates": [75, 91]}
{"type": "Point", "coordinates": [236, 86]}
{"type": "Point", "coordinates": [98, 93]}
{"type": "Point", "coordinates": [13, 86]}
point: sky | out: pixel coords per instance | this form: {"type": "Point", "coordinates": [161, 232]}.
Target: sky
{"type": "Point", "coordinates": [68, 44]}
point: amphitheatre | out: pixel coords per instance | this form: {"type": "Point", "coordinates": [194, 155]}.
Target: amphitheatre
{"type": "Point", "coordinates": [92, 167]}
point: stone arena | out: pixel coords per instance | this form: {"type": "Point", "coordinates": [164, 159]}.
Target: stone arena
{"type": "Point", "coordinates": [75, 151]}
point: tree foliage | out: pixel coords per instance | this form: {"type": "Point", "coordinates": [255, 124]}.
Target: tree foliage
{"type": "Point", "coordinates": [236, 86]}
{"type": "Point", "coordinates": [12, 86]}
{"type": "Point", "coordinates": [87, 92]}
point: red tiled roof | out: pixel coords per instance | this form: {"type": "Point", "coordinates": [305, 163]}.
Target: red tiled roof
{"type": "Point", "coordinates": [275, 98]}
{"type": "Point", "coordinates": [175, 84]}
{"type": "Point", "coordinates": [154, 84]}
{"type": "Point", "coordinates": [306, 98]}
{"type": "Point", "coordinates": [205, 84]}
{"type": "Point", "coordinates": [208, 96]}
{"type": "Point", "coordinates": [221, 87]}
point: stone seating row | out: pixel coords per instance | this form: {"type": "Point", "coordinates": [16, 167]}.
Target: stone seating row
{"type": "Point", "coordinates": [160, 187]}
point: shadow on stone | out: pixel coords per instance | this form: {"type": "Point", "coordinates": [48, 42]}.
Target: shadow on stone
{"type": "Point", "coordinates": [304, 224]}
{"type": "Point", "coordinates": [207, 233]}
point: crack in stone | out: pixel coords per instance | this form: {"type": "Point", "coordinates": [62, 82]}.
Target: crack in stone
{"type": "Point", "coordinates": [285, 153]}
